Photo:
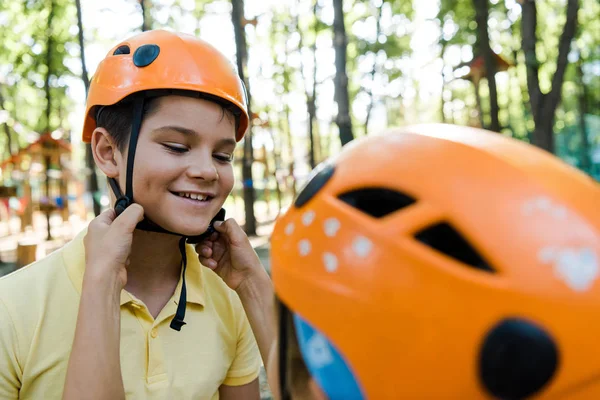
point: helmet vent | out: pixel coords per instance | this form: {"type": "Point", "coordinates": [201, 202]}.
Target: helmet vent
{"type": "Point", "coordinates": [124, 49]}
{"type": "Point", "coordinates": [323, 174]}
{"type": "Point", "coordinates": [445, 239]}
{"type": "Point", "coordinates": [377, 202]}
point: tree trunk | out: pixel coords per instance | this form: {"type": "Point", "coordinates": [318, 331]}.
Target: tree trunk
{"type": "Point", "coordinates": [476, 84]}
{"type": "Point", "coordinates": [49, 45]}
{"type": "Point", "coordinates": [285, 129]}
{"type": "Point", "coordinates": [145, 19]}
{"type": "Point", "coordinates": [285, 122]}
{"type": "Point", "coordinates": [277, 162]}
{"type": "Point", "coordinates": [340, 42]}
{"type": "Point", "coordinates": [89, 157]}
{"type": "Point", "coordinates": [237, 17]}
{"type": "Point", "coordinates": [543, 106]}
{"type": "Point", "coordinates": [9, 144]}
{"type": "Point", "coordinates": [442, 101]}
{"type": "Point", "coordinates": [373, 72]}
{"type": "Point", "coordinates": [481, 15]}
{"type": "Point", "coordinates": [315, 145]}
{"type": "Point", "coordinates": [312, 110]}
{"type": "Point", "coordinates": [310, 95]}
{"type": "Point", "coordinates": [582, 100]}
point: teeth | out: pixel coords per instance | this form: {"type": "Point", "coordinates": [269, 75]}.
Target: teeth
{"type": "Point", "coordinates": [193, 196]}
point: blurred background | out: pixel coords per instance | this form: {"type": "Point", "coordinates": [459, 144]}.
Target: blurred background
{"type": "Point", "coordinates": [320, 73]}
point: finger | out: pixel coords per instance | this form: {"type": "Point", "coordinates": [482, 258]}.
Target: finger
{"type": "Point", "coordinates": [205, 251]}
{"type": "Point", "coordinates": [202, 247]}
{"type": "Point", "coordinates": [208, 262]}
{"type": "Point", "coordinates": [204, 243]}
{"type": "Point", "coordinates": [232, 231]}
{"type": "Point", "coordinates": [214, 236]}
{"type": "Point", "coordinates": [125, 223]}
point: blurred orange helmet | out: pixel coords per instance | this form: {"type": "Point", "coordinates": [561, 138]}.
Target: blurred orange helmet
{"type": "Point", "coordinates": [443, 262]}
{"type": "Point", "coordinates": [160, 59]}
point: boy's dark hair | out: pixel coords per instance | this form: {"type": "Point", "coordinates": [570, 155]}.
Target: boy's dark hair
{"type": "Point", "coordinates": [117, 118]}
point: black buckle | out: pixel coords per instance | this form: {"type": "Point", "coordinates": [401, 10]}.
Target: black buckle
{"type": "Point", "coordinates": [121, 204]}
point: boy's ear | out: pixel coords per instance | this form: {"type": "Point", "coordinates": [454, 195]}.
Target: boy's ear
{"type": "Point", "coordinates": [106, 154]}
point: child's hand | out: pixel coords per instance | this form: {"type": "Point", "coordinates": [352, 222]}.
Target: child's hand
{"type": "Point", "coordinates": [229, 253]}
{"type": "Point", "coordinates": [108, 245]}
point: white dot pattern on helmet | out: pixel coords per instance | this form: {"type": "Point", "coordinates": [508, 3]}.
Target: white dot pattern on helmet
{"type": "Point", "coordinates": [547, 254]}
{"type": "Point", "coordinates": [318, 352]}
{"type": "Point", "coordinates": [330, 261]}
{"type": "Point", "coordinates": [362, 246]}
{"type": "Point", "coordinates": [332, 225]}
{"type": "Point", "coordinates": [578, 268]}
{"type": "Point", "coordinates": [543, 204]}
{"type": "Point", "coordinates": [304, 247]}
{"type": "Point", "coordinates": [559, 212]}
{"type": "Point", "coordinates": [308, 218]}
{"type": "Point", "coordinates": [289, 229]}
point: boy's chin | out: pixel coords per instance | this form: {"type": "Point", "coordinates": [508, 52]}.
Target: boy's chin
{"type": "Point", "coordinates": [185, 227]}
{"type": "Point", "coordinates": [188, 230]}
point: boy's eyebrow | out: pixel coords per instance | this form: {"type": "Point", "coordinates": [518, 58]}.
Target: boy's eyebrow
{"type": "Point", "coordinates": [191, 132]}
{"type": "Point", "coordinates": [227, 142]}
{"type": "Point", "coordinates": [176, 128]}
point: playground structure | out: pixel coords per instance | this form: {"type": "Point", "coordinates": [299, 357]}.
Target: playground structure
{"type": "Point", "coordinates": [476, 72]}
{"type": "Point", "coordinates": [40, 174]}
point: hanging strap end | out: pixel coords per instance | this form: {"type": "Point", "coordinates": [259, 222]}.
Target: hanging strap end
{"type": "Point", "coordinates": [176, 324]}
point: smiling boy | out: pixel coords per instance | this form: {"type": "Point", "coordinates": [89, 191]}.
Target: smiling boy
{"type": "Point", "coordinates": [158, 297]}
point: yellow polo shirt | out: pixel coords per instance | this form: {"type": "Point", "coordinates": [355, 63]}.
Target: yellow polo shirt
{"type": "Point", "coordinates": [38, 311]}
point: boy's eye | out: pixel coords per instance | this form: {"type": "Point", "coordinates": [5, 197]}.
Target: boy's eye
{"type": "Point", "coordinates": [175, 149]}
{"type": "Point", "coordinates": [224, 157]}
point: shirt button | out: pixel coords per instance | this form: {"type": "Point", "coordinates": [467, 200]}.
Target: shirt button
{"type": "Point", "coordinates": [154, 333]}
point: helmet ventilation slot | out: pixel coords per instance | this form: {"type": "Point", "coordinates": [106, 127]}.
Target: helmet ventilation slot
{"type": "Point", "coordinates": [377, 202]}
{"type": "Point", "coordinates": [123, 49]}
{"type": "Point", "coordinates": [445, 239]}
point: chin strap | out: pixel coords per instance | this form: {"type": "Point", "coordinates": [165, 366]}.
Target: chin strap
{"type": "Point", "coordinates": [124, 201]}
{"type": "Point", "coordinates": [177, 321]}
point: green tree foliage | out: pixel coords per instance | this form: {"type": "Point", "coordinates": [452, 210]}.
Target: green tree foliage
{"type": "Point", "coordinates": [378, 42]}
{"type": "Point", "coordinates": [23, 65]}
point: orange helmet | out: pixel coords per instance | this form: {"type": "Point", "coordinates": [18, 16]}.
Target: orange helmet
{"type": "Point", "coordinates": [161, 59]}
{"type": "Point", "coordinates": [443, 262]}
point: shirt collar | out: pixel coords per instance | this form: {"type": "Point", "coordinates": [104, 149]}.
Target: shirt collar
{"type": "Point", "coordinates": [74, 257]}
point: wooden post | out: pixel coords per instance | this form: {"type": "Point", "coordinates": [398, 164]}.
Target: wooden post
{"type": "Point", "coordinates": [266, 175]}
{"type": "Point", "coordinates": [26, 252]}
{"type": "Point", "coordinates": [27, 216]}
{"type": "Point", "coordinates": [64, 195]}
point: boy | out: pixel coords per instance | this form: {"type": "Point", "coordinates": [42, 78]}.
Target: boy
{"type": "Point", "coordinates": [126, 309]}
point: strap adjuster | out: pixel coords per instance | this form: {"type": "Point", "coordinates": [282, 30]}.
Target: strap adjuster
{"type": "Point", "coordinates": [121, 204]}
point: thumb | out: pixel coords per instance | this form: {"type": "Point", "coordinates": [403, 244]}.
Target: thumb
{"type": "Point", "coordinates": [125, 223]}
{"type": "Point", "coordinates": [231, 230]}
{"type": "Point", "coordinates": [106, 217]}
